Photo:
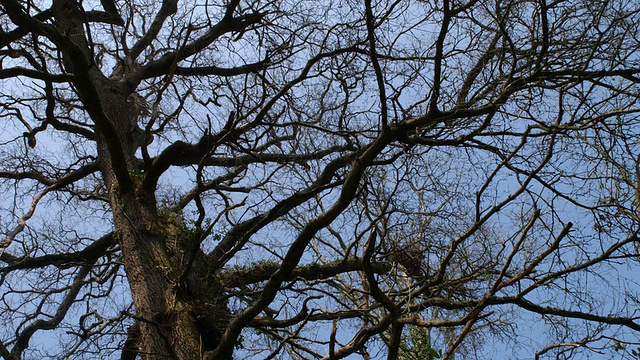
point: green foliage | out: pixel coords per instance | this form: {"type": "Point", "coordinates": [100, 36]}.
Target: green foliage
{"type": "Point", "coordinates": [136, 175]}
{"type": "Point", "coordinates": [416, 345]}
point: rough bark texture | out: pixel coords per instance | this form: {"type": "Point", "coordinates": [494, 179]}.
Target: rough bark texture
{"type": "Point", "coordinates": [326, 177]}
{"type": "Point", "coordinates": [174, 320]}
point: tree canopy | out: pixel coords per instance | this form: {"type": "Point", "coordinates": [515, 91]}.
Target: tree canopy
{"type": "Point", "coordinates": [319, 179]}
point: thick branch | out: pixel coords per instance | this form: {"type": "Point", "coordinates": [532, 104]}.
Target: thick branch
{"type": "Point", "coordinates": [547, 310]}
{"type": "Point", "coordinates": [263, 271]}
{"type": "Point", "coordinates": [180, 153]}
{"type": "Point", "coordinates": [218, 71]}
{"type": "Point", "coordinates": [86, 74]}
{"type": "Point", "coordinates": [164, 65]}
{"type": "Point", "coordinates": [34, 74]}
{"type": "Point", "coordinates": [296, 250]}
{"type": "Point", "coordinates": [240, 233]}
{"type": "Point", "coordinates": [86, 256]}
{"type": "Point", "coordinates": [168, 8]}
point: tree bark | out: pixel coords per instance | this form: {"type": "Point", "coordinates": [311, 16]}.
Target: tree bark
{"type": "Point", "coordinates": [174, 316]}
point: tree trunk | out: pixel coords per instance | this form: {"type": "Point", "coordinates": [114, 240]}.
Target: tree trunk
{"type": "Point", "coordinates": [167, 324]}
{"type": "Point", "coordinates": [176, 305]}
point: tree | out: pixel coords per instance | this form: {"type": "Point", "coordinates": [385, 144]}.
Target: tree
{"type": "Point", "coordinates": [313, 179]}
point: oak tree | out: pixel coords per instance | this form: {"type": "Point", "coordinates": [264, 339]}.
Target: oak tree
{"type": "Point", "coordinates": [319, 179]}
